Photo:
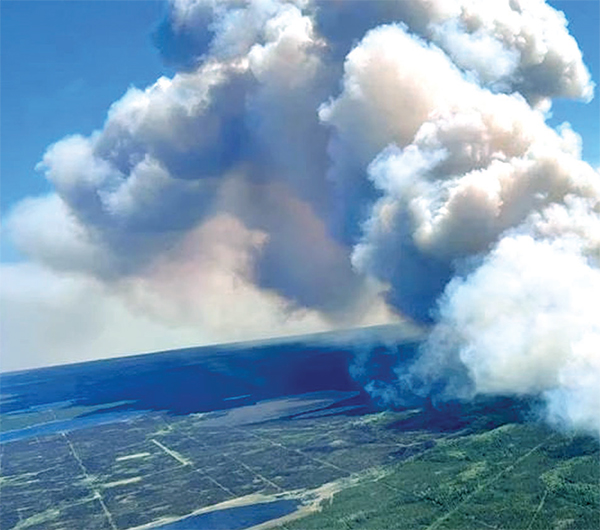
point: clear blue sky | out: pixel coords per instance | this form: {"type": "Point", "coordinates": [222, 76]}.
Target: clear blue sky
{"type": "Point", "coordinates": [584, 23]}
{"type": "Point", "coordinates": [64, 62]}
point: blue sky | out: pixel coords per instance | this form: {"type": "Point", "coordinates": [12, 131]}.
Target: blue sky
{"type": "Point", "coordinates": [64, 63]}
{"type": "Point", "coordinates": [584, 19]}
{"type": "Point", "coordinates": [165, 233]}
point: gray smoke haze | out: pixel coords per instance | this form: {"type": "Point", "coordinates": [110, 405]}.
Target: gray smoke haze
{"type": "Point", "coordinates": [319, 165]}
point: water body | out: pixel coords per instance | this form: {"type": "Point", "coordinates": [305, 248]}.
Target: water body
{"type": "Point", "coordinates": [254, 380]}
{"type": "Point", "coordinates": [56, 427]}
{"type": "Point", "coordinates": [235, 518]}
{"type": "Point", "coordinates": [209, 378]}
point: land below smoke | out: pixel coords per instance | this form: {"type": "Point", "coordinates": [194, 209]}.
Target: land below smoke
{"type": "Point", "coordinates": [218, 442]}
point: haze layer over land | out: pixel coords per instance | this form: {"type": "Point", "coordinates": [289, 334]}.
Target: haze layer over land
{"type": "Point", "coordinates": [323, 165]}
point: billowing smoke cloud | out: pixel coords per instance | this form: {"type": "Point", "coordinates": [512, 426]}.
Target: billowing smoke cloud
{"type": "Point", "coordinates": [317, 165]}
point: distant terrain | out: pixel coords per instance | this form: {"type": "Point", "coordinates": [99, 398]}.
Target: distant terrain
{"type": "Point", "coordinates": [276, 435]}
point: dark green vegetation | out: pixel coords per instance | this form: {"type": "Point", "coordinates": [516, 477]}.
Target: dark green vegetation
{"type": "Point", "coordinates": [144, 442]}
{"type": "Point", "coordinates": [406, 472]}
{"type": "Point", "coordinates": [514, 477]}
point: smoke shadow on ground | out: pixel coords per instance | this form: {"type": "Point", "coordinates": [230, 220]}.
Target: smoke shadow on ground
{"type": "Point", "coordinates": [480, 414]}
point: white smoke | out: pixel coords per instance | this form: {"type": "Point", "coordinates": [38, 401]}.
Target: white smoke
{"type": "Point", "coordinates": [491, 216]}
{"type": "Point", "coordinates": [317, 165]}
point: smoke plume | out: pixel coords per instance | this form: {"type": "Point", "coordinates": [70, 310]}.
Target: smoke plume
{"type": "Point", "coordinates": [318, 165]}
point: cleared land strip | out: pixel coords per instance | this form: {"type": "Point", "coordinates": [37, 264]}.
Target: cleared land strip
{"type": "Point", "coordinates": [174, 454]}
{"type": "Point", "coordinates": [298, 451]}
{"type": "Point", "coordinates": [538, 509]}
{"type": "Point", "coordinates": [90, 480]}
{"type": "Point", "coordinates": [186, 462]}
{"type": "Point", "coordinates": [216, 482]}
{"type": "Point", "coordinates": [240, 463]}
{"type": "Point", "coordinates": [484, 485]}
{"type": "Point", "coordinates": [254, 472]}
{"type": "Point", "coordinates": [191, 463]}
